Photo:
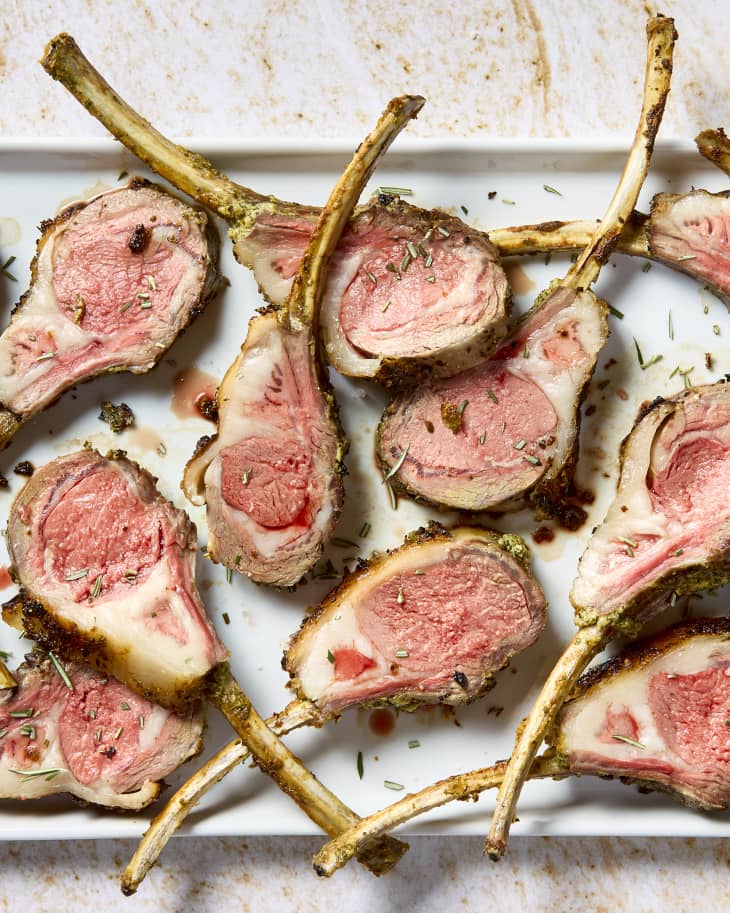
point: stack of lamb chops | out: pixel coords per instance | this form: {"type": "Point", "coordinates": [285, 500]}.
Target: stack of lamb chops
{"type": "Point", "coordinates": [548, 496]}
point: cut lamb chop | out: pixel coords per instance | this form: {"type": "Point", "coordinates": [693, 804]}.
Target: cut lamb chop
{"type": "Point", "coordinates": [65, 729]}
{"type": "Point", "coordinates": [408, 289]}
{"type": "Point", "coordinates": [107, 574]}
{"type": "Point", "coordinates": [656, 716]}
{"type": "Point", "coordinates": [272, 476]}
{"type": "Point", "coordinates": [115, 280]}
{"type": "Point", "coordinates": [104, 561]}
{"type": "Point", "coordinates": [666, 533]}
{"type": "Point", "coordinates": [430, 622]}
{"type": "Point", "coordinates": [506, 431]}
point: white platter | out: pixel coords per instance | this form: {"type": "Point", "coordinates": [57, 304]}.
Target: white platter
{"type": "Point", "coordinates": [35, 179]}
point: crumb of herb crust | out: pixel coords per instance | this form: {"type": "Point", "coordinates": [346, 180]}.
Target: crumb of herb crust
{"type": "Point", "coordinates": [117, 417]}
{"type": "Point", "coordinates": [24, 468]}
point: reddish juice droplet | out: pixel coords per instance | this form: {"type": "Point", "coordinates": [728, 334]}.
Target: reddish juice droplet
{"type": "Point", "coordinates": [5, 578]}
{"type": "Point", "coordinates": [382, 722]}
{"type": "Point", "coordinates": [190, 386]}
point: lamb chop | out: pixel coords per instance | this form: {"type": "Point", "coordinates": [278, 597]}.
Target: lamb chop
{"type": "Point", "coordinates": [67, 729]}
{"type": "Point", "coordinates": [506, 431]}
{"type": "Point", "coordinates": [655, 715]}
{"type": "Point", "coordinates": [115, 280]}
{"type": "Point", "coordinates": [107, 574]}
{"type": "Point", "coordinates": [666, 534]}
{"type": "Point", "coordinates": [409, 290]}
{"type": "Point", "coordinates": [429, 622]}
{"type": "Point", "coordinates": [685, 231]}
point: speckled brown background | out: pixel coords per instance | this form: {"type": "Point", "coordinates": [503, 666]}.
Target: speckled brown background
{"type": "Point", "coordinates": [323, 69]}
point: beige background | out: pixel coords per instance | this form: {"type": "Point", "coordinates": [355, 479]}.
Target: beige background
{"type": "Point", "coordinates": [324, 69]}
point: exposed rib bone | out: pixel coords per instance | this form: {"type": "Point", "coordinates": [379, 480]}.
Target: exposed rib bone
{"type": "Point", "coordinates": [170, 818]}
{"type": "Point", "coordinates": [465, 786]}
{"type": "Point", "coordinates": [661, 36]}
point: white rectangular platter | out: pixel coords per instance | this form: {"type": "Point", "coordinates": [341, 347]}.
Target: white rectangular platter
{"type": "Point", "coordinates": [37, 179]}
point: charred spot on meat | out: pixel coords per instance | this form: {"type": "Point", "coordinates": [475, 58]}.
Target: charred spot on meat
{"type": "Point", "coordinates": [656, 716]}
{"type": "Point", "coordinates": [68, 730]}
{"type": "Point", "coordinates": [409, 290]}
{"type": "Point", "coordinates": [448, 608]}
{"type": "Point", "coordinates": [94, 306]}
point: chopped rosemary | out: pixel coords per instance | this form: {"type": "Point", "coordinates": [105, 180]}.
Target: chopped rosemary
{"type": "Point", "coordinates": [520, 444]}
{"type": "Point", "coordinates": [343, 543]}
{"type": "Point", "coordinates": [526, 352]}
{"type": "Point", "coordinates": [392, 495]}
{"type": "Point", "coordinates": [652, 361]}
{"type": "Point", "coordinates": [444, 232]}
{"type": "Point", "coordinates": [462, 405]}
{"type": "Point", "coordinates": [6, 271]}
{"type": "Point", "coordinates": [45, 356]}
{"type": "Point", "coordinates": [48, 772]}
{"type": "Point", "coordinates": [151, 282]}
{"type": "Point", "coordinates": [125, 307]}
{"type": "Point", "coordinates": [226, 618]}
{"type": "Point", "coordinates": [414, 743]}
{"type": "Point", "coordinates": [3, 732]}
{"type": "Point", "coordinates": [405, 262]}
{"type": "Point", "coordinates": [229, 575]}
{"type": "Point", "coordinates": [400, 191]}
{"type": "Point", "coordinates": [140, 720]}
{"type": "Point", "coordinates": [364, 530]}
{"type": "Point", "coordinates": [646, 267]}
{"type": "Point", "coordinates": [493, 396]}
{"type": "Point", "coordinates": [391, 784]}
{"type": "Point", "coordinates": [360, 766]}
{"type": "Point", "coordinates": [61, 671]}
{"type": "Point", "coordinates": [419, 573]}
{"type": "Point", "coordinates": [400, 598]}
{"type": "Point", "coordinates": [428, 262]}
{"type": "Point", "coordinates": [629, 551]}
{"type": "Point", "coordinates": [625, 738]}
{"type": "Point", "coordinates": [532, 459]}
{"type": "Point", "coordinates": [430, 278]}
{"type": "Point", "coordinates": [678, 552]}
{"type": "Point", "coordinates": [401, 654]}
{"type": "Point", "coordinates": [96, 589]}
{"type": "Point", "coordinates": [482, 438]}
{"type": "Point", "coordinates": [421, 250]}
{"type": "Point", "coordinates": [246, 476]}
{"type": "Point", "coordinates": [385, 306]}
{"type": "Point", "coordinates": [628, 541]}
{"type": "Point", "coordinates": [550, 189]}
{"type": "Point", "coordinates": [373, 278]}
{"type": "Point", "coordinates": [397, 465]}
{"type": "Point", "coordinates": [29, 731]}
{"type": "Point", "coordinates": [124, 705]}
{"type": "Point", "coordinates": [122, 175]}
{"type": "Point", "coordinates": [392, 268]}
{"type": "Point", "coordinates": [638, 352]}
{"type": "Point", "coordinates": [508, 202]}
{"type": "Point", "coordinates": [21, 714]}
{"type": "Point", "coordinates": [77, 575]}
{"type": "Point", "coordinates": [670, 325]}
{"type": "Point", "coordinates": [464, 210]}
{"type": "Point", "coordinates": [330, 656]}
{"type": "Point", "coordinates": [412, 250]}
{"type": "Point", "coordinates": [615, 312]}
{"type": "Point", "coordinates": [548, 258]}
{"type": "Point", "coordinates": [686, 257]}
{"type": "Point", "coordinates": [119, 732]}
{"type": "Point", "coordinates": [716, 329]}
